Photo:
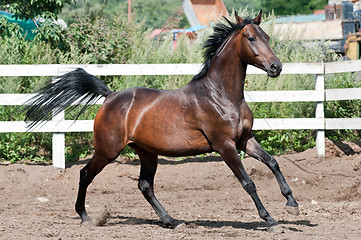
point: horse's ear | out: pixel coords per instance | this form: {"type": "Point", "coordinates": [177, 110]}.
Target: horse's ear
{"type": "Point", "coordinates": [238, 18]}
{"type": "Point", "coordinates": [258, 19]}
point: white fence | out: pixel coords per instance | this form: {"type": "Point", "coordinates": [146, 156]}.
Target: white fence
{"type": "Point", "coordinates": [58, 126]}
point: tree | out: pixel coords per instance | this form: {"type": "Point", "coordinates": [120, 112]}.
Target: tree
{"type": "Point", "coordinates": [156, 12]}
{"type": "Point", "coordinates": [43, 13]}
{"type": "Point", "coordinates": [34, 8]}
{"type": "Point", "coordinates": [238, 4]}
{"type": "Point", "coordinates": [292, 7]}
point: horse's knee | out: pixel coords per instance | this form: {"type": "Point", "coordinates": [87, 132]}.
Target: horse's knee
{"type": "Point", "coordinates": [263, 214]}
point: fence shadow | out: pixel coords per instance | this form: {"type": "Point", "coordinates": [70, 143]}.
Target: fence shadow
{"type": "Point", "coordinates": [346, 148]}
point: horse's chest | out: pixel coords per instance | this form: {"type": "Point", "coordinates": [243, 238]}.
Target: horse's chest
{"type": "Point", "coordinates": [234, 120]}
{"type": "Point", "coordinates": [227, 117]}
{"type": "Point", "coordinates": [245, 121]}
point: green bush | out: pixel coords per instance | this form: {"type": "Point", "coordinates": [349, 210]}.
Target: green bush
{"type": "Point", "coordinates": [278, 142]}
{"type": "Point", "coordinates": [25, 146]}
{"type": "Point", "coordinates": [343, 108]}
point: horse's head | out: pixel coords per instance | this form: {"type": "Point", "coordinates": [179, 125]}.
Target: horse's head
{"type": "Point", "coordinates": [254, 47]}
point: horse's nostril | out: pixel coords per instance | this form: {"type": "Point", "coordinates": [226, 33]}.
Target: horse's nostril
{"type": "Point", "coordinates": [273, 67]}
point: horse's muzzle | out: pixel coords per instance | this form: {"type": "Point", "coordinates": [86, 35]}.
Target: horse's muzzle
{"type": "Point", "coordinates": [274, 69]}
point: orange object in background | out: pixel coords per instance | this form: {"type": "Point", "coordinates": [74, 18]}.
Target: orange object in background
{"type": "Point", "coordinates": [204, 12]}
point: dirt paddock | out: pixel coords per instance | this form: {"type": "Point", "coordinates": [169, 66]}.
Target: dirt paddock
{"type": "Point", "coordinates": [37, 202]}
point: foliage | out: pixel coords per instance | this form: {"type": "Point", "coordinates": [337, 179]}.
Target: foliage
{"type": "Point", "coordinates": [343, 108]}
{"type": "Point", "coordinates": [78, 145]}
{"type": "Point", "coordinates": [8, 30]}
{"type": "Point", "coordinates": [49, 32]}
{"type": "Point", "coordinates": [278, 142]}
{"type": "Point", "coordinates": [236, 4]}
{"type": "Point", "coordinates": [42, 12]}
{"type": "Point", "coordinates": [34, 8]}
{"type": "Point", "coordinates": [15, 147]}
{"type": "Point", "coordinates": [292, 7]}
{"type": "Point", "coordinates": [155, 12]}
{"type": "Point", "coordinates": [104, 42]}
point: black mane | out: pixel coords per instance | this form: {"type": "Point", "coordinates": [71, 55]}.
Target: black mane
{"type": "Point", "coordinates": [221, 33]}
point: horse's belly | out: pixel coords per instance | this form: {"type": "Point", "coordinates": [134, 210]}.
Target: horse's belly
{"type": "Point", "coordinates": [179, 143]}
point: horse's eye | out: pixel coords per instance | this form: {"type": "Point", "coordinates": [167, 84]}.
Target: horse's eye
{"type": "Point", "coordinates": [251, 39]}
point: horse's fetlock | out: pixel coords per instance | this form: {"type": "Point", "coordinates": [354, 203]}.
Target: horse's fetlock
{"type": "Point", "coordinates": [264, 214]}
{"type": "Point", "coordinates": [287, 192]}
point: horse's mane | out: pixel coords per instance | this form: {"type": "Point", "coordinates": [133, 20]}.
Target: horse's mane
{"type": "Point", "coordinates": [222, 31]}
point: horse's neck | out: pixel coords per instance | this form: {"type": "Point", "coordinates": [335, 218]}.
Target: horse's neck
{"type": "Point", "coordinates": [226, 76]}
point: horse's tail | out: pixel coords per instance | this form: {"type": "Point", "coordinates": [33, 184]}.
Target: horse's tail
{"type": "Point", "coordinates": [59, 95]}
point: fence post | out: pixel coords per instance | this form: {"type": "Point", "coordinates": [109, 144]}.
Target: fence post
{"type": "Point", "coordinates": [58, 144]}
{"type": "Point", "coordinates": [320, 133]}
{"type": "Point", "coordinates": [58, 151]}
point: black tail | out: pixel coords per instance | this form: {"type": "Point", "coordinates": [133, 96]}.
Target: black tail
{"type": "Point", "coordinates": [59, 95]}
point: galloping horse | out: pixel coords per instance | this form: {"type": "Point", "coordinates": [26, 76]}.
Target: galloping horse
{"type": "Point", "coordinates": [209, 114]}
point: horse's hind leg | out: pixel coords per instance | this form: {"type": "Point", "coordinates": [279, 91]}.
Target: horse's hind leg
{"type": "Point", "coordinates": [149, 162]}
{"type": "Point", "coordinates": [255, 150]}
{"type": "Point", "coordinates": [87, 174]}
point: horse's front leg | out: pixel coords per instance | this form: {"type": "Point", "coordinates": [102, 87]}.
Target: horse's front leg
{"type": "Point", "coordinates": [255, 150]}
{"type": "Point", "coordinates": [229, 154]}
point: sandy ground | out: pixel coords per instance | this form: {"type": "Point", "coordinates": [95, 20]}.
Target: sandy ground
{"type": "Point", "coordinates": [37, 202]}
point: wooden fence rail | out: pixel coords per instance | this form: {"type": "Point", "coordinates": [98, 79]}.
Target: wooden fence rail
{"type": "Point", "coordinates": [58, 126]}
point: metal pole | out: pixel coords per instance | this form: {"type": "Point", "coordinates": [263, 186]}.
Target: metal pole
{"type": "Point", "coordinates": [129, 10]}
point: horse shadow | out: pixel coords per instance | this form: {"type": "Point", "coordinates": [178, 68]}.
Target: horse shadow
{"type": "Point", "coordinates": [173, 161]}
{"type": "Point", "coordinates": [161, 161]}
{"type": "Point", "coordinates": [256, 226]}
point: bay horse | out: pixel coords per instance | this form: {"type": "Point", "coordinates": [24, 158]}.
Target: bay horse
{"type": "Point", "coordinates": [209, 114]}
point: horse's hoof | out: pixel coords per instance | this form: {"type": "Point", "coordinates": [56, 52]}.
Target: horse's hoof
{"type": "Point", "coordinates": [176, 224]}
{"type": "Point", "coordinates": [88, 223]}
{"type": "Point", "coordinates": [276, 229]}
{"type": "Point", "coordinates": [293, 210]}
{"type": "Point", "coordinates": [180, 225]}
